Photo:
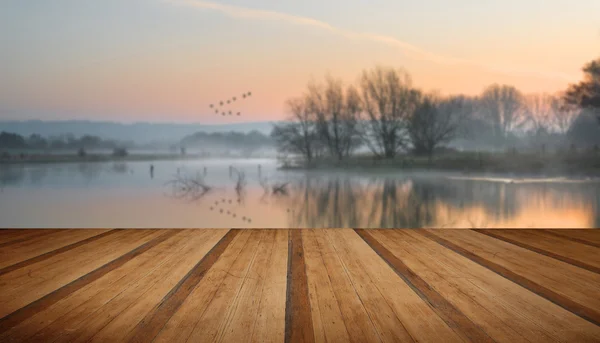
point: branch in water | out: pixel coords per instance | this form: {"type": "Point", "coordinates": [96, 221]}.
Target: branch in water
{"type": "Point", "coordinates": [240, 184]}
{"type": "Point", "coordinates": [280, 188]}
{"type": "Point", "coordinates": [189, 187]}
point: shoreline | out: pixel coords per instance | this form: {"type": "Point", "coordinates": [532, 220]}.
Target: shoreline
{"type": "Point", "coordinates": [527, 165]}
{"type": "Point", "coordinates": [99, 158]}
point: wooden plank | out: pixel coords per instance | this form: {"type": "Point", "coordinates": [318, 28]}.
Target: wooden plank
{"type": "Point", "coordinates": [580, 255]}
{"type": "Point", "coordinates": [154, 321]}
{"type": "Point", "coordinates": [382, 290]}
{"type": "Point", "coordinates": [35, 281]}
{"type": "Point", "coordinates": [37, 245]}
{"type": "Point", "coordinates": [269, 326]}
{"type": "Point", "coordinates": [28, 284]}
{"type": "Point", "coordinates": [461, 324]}
{"type": "Point", "coordinates": [388, 326]}
{"type": "Point", "coordinates": [243, 311]}
{"type": "Point", "coordinates": [7, 235]}
{"type": "Point", "coordinates": [567, 286]}
{"type": "Point", "coordinates": [75, 308]}
{"type": "Point", "coordinates": [587, 236]}
{"type": "Point", "coordinates": [181, 324]}
{"type": "Point", "coordinates": [17, 313]}
{"type": "Point", "coordinates": [24, 235]}
{"type": "Point", "coordinates": [121, 314]}
{"type": "Point", "coordinates": [49, 249]}
{"type": "Point", "coordinates": [37, 275]}
{"type": "Point", "coordinates": [298, 321]}
{"type": "Point", "coordinates": [213, 320]}
{"type": "Point", "coordinates": [327, 318]}
{"type": "Point", "coordinates": [359, 325]}
{"type": "Point", "coordinates": [505, 310]}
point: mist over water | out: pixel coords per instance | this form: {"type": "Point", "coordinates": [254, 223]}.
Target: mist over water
{"type": "Point", "coordinates": [129, 195]}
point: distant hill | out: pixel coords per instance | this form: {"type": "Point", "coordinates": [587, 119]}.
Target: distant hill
{"type": "Point", "coordinates": [142, 132]}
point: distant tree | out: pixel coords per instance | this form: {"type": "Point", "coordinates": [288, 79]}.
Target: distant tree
{"type": "Point", "coordinates": [253, 140]}
{"type": "Point", "coordinates": [584, 131]}
{"type": "Point", "coordinates": [120, 152]}
{"type": "Point", "coordinates": [88, 142]}
{"type": "Point", "coordinates": [389, 99]}
{"type": "Point", "coordinates": [436, 121]}
{"type": "Point", "coordinates": [586, 93]}
{"type": "Point", "coordinates": [502, 106]}
{"type": "Point", "coordinates": [337, 114]}
{"type": "Point", "coordinates": [12, 141]}
{"type": "Point", "coordinates": [36, 141]}
{"type": "Point", "coordinates": [299, 135]}
{"type": "Point", "coordinates": [538, 110]}
{"type": "Point", "coordinates": [564, 113]}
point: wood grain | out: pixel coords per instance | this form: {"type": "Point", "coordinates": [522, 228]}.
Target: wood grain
{"type": "Point", "coordinates": [325, 285]}
{"type": "Point", "coordinates": [447, 239]}
{"type": "Point", "coordinates": [461, 324]}
{"type": "Point", "coordinates": [15, 317]}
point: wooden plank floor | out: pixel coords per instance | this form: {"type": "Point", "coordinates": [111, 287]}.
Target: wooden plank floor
{"type": "Point", "coordinates": [333, 285]}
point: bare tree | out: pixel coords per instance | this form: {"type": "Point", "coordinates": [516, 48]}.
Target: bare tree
{"type": "Point", "coordinates": [336, 113]}
{"type": "Point", "coordinates": [548, 113]}
{"type": "Point", "coordinates": [538, 110]}
{"type": "Point", "coordinates": [502, 106]}
{"type": "Point", "coordinates": [435, 122]}
{"type": "Point", "coordinates": [389, 100]}
{"type": "Point", "coordinates": [564, 113]}
{"type": "Point", "coordinates": [299, 135]}
{"type": "Point", "coordinates": [352, 116]}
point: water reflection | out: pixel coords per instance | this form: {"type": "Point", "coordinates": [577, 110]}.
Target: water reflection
{"type": "Point", "coordinates": [260, 196]}
{"type": "Point", "coordinates": [439, 203]}
{"type": "Point", "coordinates": [11, 176]}
{"type": "Point", "coordinates": [40, 174]}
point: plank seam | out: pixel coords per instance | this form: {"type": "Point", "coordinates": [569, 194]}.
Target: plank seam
{"type": "Point", "coordinates": [18, 316]}
{"type": "Point", "coordinates": [298, 319]}
{"type": "Point", "coordinates": [580, 310]}
{"type": "Point", "coordinates": [540, 251]}
{"type": "Point", "coordinates": [25, 239]}
{"type": "Point", "coordinates": [155, 320]}
{"type": "Point", "coordinates": [574, 239]}
{"type": "Point", "coordinates": [452, 316]}
{"type": "Point", "coordinates": [53, 253]}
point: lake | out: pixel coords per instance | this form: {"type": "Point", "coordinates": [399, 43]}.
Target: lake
{"type": "Point", "coordinates": [126, 195]}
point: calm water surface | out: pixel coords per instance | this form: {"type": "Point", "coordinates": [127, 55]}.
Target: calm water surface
{"type": "Point", "coordinates": [126, 195]}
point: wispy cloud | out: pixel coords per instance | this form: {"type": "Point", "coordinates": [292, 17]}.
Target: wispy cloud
{"type": "Point", "coordinates": [409, 49]}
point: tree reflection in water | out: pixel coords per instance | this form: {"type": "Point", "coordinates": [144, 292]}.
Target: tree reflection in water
{"type": "Point", "coordinates": [429, 202]}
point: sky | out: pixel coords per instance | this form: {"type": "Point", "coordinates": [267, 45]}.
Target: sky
{"type": "Point", "coordinates": [168, 60]}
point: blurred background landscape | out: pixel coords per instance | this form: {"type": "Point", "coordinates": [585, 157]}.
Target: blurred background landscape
{"type": "Point", "coordinates": [220, 114]}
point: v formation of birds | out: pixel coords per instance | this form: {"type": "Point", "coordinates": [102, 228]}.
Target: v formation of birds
{"type": "Point", "coordinates": [222, 103]}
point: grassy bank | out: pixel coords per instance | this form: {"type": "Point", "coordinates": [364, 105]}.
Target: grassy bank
{"type": "Point", "coordinates": [70, 158]}
{"type": "Point", "coordinates": [518, 163]}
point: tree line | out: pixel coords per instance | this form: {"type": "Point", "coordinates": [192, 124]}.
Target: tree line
{"type": "Point", "coordinates": [386, 114]}
{"type": "Point", "coordinates": [232, 139]}
{"type": "Point", "coordinates": [10, 140]}
{"type": "Point", "coordinates": [13, 141]}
